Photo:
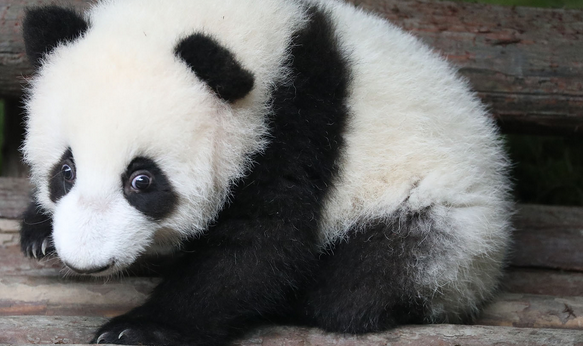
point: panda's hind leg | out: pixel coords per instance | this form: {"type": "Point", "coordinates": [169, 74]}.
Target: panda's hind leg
{"type": "Point", "coordinates": [368, 281]}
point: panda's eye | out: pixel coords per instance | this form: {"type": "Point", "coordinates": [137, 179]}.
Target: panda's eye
{"type": "Point", "coordinates": [141, 181]}
{"type": "Point", "coordinates": [68, 171]}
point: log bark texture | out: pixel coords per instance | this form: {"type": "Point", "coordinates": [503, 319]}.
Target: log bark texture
{"type": "Point", "coordinates": [71, 297]}
{"type": "Point", "coordinates": [36, 330]}
{"type": "Point", "coordinates": [534, 311]}
{"type": "Point", "coordinates": [548, 237]}
{"type": "Point", "coordinates": [14, 197]}
{"type": "Point", "coordinates": [525, 63]}
{"type": "Point", "coordinates": [543, 281]}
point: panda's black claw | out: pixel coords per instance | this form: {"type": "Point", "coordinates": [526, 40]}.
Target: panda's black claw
{"type": "Point", "coordinates": [36, 244]}
{"type": "Point", "coordinates": [101, 338]}
{"type": "Point", "coordinates": [34, 250]}
{"type": "Point", "coordinates": [36, 233]}
{"type": "Point", "coordinates": [122, 333]}
{"type": "Point", "coordinates": [44, 246]}
{"type": "Point", "coordinates": [135, 332]}
{"type": "Point", "coordinates": [38, 248]}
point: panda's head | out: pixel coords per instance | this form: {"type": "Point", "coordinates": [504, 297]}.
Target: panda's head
{"type": "Point", "coordinates": [132, 137]}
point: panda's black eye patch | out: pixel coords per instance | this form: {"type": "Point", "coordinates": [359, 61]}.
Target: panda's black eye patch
{"type": "Point", "coordinates": [62, 177]}
{"type": "Point", "coordinates": [147, 188]}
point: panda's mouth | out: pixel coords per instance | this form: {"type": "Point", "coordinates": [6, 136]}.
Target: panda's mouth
{"type": "Point", "coordinates": [90, 270]}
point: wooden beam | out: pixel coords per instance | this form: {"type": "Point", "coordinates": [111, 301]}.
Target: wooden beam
{"type": "Point", "coordinates": [543, 282]}
{"type": "Point", "coordinates": [534, 311]}
{"type": "Point", "coordinates": [75, 296]}
{"type": "Point", "coordinates": [69, 330]}
{"type": "Point", "coordinates": [14, 197]}
{"type": "Point", "coordinates": [441, 334]}
{"type": "Point", "coordinates": [48, 329]}
{"type": "Point", "coordinates": [12, 165]}
{"type": "Point", "coordinates": [72, 296]}
{"type": "Point", "coordinates": [516, 280]}
{"type": "Point", "coordinates": [548, 237]}
{"type": "Point", "coordinates": [545, 236]}
{"type": "Point", "coordinates": [13, 262]}
{"type": "Point", "coordinates": [525, 63]}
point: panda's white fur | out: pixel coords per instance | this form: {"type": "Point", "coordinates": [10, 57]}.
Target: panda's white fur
{"type": "Point", "coordinates": [416, 139]}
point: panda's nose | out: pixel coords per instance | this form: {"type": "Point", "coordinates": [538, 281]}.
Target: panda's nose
{"type": "Point", "coordinates": [91, 270]}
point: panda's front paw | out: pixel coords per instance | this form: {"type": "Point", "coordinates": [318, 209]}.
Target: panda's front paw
{"type": "Point", "coordinates": [136, 333]}
{"type": "Point", "coordinates": [35, 233]}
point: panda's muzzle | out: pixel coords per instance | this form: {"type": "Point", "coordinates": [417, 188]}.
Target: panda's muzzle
{"type": "Point", "coordinates": [93, 270]}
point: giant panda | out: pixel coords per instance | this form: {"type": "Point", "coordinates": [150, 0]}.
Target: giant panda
{"type": "Point", "coordinates": [304, 161]}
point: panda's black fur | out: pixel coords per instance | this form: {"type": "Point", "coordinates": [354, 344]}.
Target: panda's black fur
{"type": "Point", "coordinates": [261, 258]}
{"type": "Point", "coordinates": [44, 30]}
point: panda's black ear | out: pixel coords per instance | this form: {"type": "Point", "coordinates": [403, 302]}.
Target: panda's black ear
{"type": "Point", "coordinates": [216, 66]}
{"type": "Point", "coordinates": [44, 27]}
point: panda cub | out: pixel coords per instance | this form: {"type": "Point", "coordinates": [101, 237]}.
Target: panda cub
{"type": "Point", "coordinates": [305, 161]}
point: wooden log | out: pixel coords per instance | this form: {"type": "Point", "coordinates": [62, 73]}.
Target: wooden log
{"type": "Point", "coordinates": [13, 263]}
{"type": "Point", "coordinates": [12, 165]}
{"type": "Point", "coordinates": [84, 297]}
{"type": "Point", "coordinates": [48, 329]}
{"type": "Point", "coordinates": [543, 282]}
{"type": "Point", "coordinates": [72, 296]}
{"type": "Point", "coordinates": [442, 334]}
{"type": "Point", "coordinates": [524, 62]}
{"type": "Point", "coordinates": [14, 197]}
{"type": "Point", "coordinates": [534, 311]}
{"type": "Point", "coordinates": [545, 236]}
{"type": "Point", "coordinates": [548, 237]}
{"type": "Point", "coordinates": [8, 233]}
{"type": "Point", "coordinates": [74, 329]}
{"type": "Point", "coordinates": [516, 280]}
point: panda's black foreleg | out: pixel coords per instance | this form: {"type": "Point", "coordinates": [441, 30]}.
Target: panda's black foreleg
{"type": "Point", "coordinates": [36, 232]}
{"type": "Point", "coordinates": [366, 283]}
{"type": "Point", "coordinates": [242, 271]}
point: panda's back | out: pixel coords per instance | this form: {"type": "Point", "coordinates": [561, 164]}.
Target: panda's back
{"type": "Point", "coordinates": [416, 136]}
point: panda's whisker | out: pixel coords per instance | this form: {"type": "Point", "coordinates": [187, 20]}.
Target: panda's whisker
{"type": "Point", "coordinates": [35, 223]}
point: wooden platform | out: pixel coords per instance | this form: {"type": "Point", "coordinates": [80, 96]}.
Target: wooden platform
{"type": "Point", "coordinates": [541, 303]}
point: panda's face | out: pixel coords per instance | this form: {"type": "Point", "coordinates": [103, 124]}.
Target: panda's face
{"type": "Point", "coordinates": [125, 151]}
{"type": "Point", "coordinates": [133, 138]}
{"type": "Point", "coordinates": [111, 149]}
